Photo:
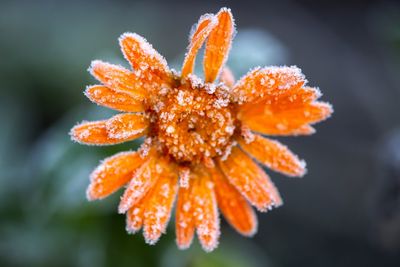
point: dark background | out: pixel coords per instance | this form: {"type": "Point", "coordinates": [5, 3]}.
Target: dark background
{"type": "Point", "coordinates": [344, 212]}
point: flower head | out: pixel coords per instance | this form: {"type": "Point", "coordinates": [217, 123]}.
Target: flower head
{"type": "Point", "coordinates": [201, 136]}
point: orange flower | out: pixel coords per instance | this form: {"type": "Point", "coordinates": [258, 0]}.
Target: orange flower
{"type": "Point", "coordinates": [199, 135]}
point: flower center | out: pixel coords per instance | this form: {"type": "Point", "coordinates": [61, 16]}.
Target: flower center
{"type": "Point", "coordinates": [195, 121]}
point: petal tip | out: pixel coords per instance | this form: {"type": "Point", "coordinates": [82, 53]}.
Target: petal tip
{"type": "Point", "coordinates": [90, 196]}
{"type": "Point", "coordinates": [123, 207]}
{"type": "Point", "coordinates": [150, 240]}
{"type": "Point", "coordinates": [131, 230]}
{"type": "Point", "coordinates": [131, 35]}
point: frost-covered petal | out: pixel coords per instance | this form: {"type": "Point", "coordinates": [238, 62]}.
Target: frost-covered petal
{"type": "Point", "coordinates": [218, 45]}
{"type": "Point", "coordinates": [205, 211]}
{"type": "Point", "coordinates": [201, 31]}
{"type": "Point", "coordinates": [266, 119]}
{"type": "Point", "coordinates": [250, 180]}
{"type": "Point", "coordinates": [159, 204]}
{"type": "Point", "coordinates": [261, 82]}
{"type": "Point", "coordinates": [184, 221]}
{"type": "Point", "coordinates": [94, 133]}
{"type": "Point", "coordinates": [118, 129]}
{"type": "Point", "coordinates": [236, 210]}
{"type": "Point", "coordinates": [107, 97]}
{"type": "Point", "coordinates": [274, 101]}
{"type": "Point", "coordinates": [127, 126]}
{"type": "Point", "coordinates": [113, 173]}
{"type": "Point", "coordinates": [143, 180]}
{"type": "Point", "coordinates": [134, 216]}
{"type": "Point", "coordinates": [274, 155]}
{"type": "Point", "coordinates": [197, 209]}
{"type": "Point", "coordinates": [146, 62]}
{"type": "Point", "coordinates": [118, 79]}
{"type": "Point", "coordinates": [227, 77]}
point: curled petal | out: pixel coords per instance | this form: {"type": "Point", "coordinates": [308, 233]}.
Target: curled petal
{"type": "Point", "coordinates": [233, 206]}
{"type": "Point", "coordinates": [107, 97]}
{"type": "Point", "coordinates": [274, 155]}
{"type": "Point", "coordinates": [127, 126]}
{"type": "Point", "coordinates": [274, 101]}
{"type": "Point", "coordinates": [113, 173]}
{"type": "Point", "coordinates": [201, 31]}
{"type": "Point", "coordinates": [159, 204]}
{"type": "Point", "coordinates": [218, 45]}
{"type": "Point", "coordinates": [144, 59]}
{"type": "Point", "coordinates": [118, 79]}
{"type": "Point", "coordinates": [250, 180]}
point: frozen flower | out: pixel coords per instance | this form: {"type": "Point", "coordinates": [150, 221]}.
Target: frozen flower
{"type": "Point", "coordinates": [201, 136]}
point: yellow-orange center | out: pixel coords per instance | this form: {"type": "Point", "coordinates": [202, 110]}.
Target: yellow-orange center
{"type": "Point", "coordinates": [194, 121]}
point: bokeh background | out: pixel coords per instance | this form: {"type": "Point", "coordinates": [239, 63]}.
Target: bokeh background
{"type": "Point", "coordinates": [344, 212]}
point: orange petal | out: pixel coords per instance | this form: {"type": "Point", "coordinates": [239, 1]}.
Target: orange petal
{"type": "Point", "coordinates": [266, 119]}
{"type": "Point", "coordinates": [271, 81]}
{"type": "Point", "coordinates": [274, 155]}
{"type": "Point", "coordinates": [250, 180]}
{"type": "Point", "coordinates": [205, 210]}
{"type": "Point", "coordinates": [144, 59]}
{"type": "Point", "coordinates": [292, 98]}
{"type": "Point", "coordinates": [127, 126]}
{"type": "Point", "coordinates": [118, 129]}
{"type": "Point", "coordinates": [135, 216]}
{"type": "Point", "coordinates": [143, 180]}
{"type": "Point", "coordinates": [118, 79]}
{"type": "Point", "coordinates": [184, 176]}
{"type": "Point", "coordinates": [159, 204]}
{"type": "Point", "coordinates": [107, 97]}
{"type": "Point", "coordinates": [218, 45]}
{"type": "Point", "coordinates": [184, 222]}
{"type": "Point", "coordinates": [233, 206]}
{"type": "Point", "coordinates": [93, 133]}
{"type": "Point", "coordinates": [227, 77]}
{"type": "Point", "coordinates": [112, 174]}
{"type": "Point", "coordinates": [202, 30]}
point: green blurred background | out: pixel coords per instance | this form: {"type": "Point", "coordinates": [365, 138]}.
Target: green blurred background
{"type": "Point", "coordinates": [345, 212]}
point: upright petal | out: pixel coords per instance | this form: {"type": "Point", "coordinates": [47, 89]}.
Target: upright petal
{"type": "Point", "coordinates": [144, 59]}
{"type": "Point", "coordinates": [113, 173]}
{"type": "Point", "coordinates": [218, 45]}
{"type": "Point", "coordinates": [159, 204]}
{"type": "Point", "coordinates": [118, 79]}
{"type": "Point", "coordinates": [227, 77]}
{"type": "Point", "coordinates": [233, 206]}
{"type": "Point", "coordinates": [109, 98]}
{"type": "Point", "coordinates": [201, 31]}
{"type": "Point", "coordinates": [250, 180]}
{"type": "Point", "coordinates": [205, 210]}
{"type": "Point", "coordinates": [274, 155]}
